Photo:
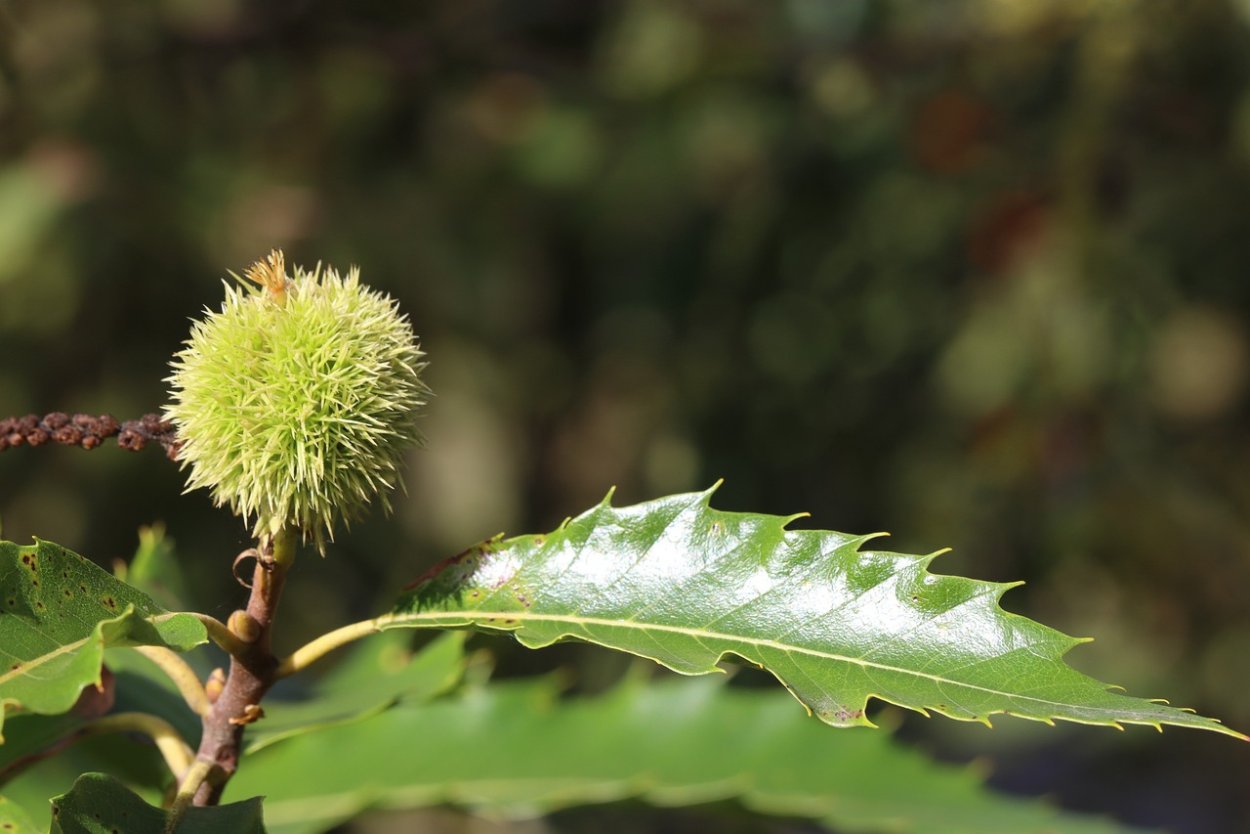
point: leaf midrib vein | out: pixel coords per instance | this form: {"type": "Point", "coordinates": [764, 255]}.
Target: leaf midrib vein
{"type": "Point", "coordinates": [28, 665]}
{"type": "Point", "coordinates": [700, 634]}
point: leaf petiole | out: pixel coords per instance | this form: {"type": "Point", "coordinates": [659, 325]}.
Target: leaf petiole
{"type": "Point", "coordinates": [314, 650]}
{"type": "Point", "coordinates": [182, 676]}
{"type": "Point", "coordinates": [221, 635]}
{"type": "Point", "coordinates": [173, 749]}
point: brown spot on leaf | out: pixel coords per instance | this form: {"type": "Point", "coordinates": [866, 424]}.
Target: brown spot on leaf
{"type": "Point", "coordinates": [439, 567]}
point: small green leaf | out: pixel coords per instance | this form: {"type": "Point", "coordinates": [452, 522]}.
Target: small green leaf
{"type": "Point", "coordinates": [58, 612]}
{"type": "Point", "coordinates": [13, 820]}
{"type": "Point", "coordinates": [516, 750]}
{"type": "Point", "coordinates": [154, 569]}
{"type": "Point", "coordinates": [685, 585]}
{"type": "Point", "coordinates": [99, 804]}
{"type": "Point", "coordinates": [379, 673]}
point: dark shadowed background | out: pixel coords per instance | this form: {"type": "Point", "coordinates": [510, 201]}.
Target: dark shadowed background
{"type": "Point", "coordinates": [974, 272]}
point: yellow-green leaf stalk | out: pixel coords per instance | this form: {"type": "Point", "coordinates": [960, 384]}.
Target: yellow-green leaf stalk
{"type": "Point", "coordinates": [295, 403]}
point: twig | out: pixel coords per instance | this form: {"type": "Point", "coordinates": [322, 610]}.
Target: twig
{"type": "Point", "coordinates": [182, 675]}
{"type": "Point", "coordinates": [221, 635]}
{"type": "Point", "coordinates": [253, 669]}
{"type": "Point", "coordinates": [87, 432]}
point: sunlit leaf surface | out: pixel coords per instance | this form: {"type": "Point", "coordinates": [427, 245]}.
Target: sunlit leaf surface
{"type": "Point", "coordinates": [686, 585]}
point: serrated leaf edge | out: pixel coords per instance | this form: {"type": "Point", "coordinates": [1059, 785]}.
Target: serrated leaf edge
{"type": "Point", "coordinates": [512, 621]}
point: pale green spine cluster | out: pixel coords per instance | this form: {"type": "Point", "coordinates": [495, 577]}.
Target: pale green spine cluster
{"type": "Point", "coordinates": [296, 402]}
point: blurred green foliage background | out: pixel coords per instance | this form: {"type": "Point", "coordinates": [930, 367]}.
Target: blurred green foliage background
{"type": "Point", "coordinates": [973, 272]}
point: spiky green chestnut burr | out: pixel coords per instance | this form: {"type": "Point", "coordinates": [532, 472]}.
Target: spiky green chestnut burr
{"type": "Point", "coordinates": [295, 403]}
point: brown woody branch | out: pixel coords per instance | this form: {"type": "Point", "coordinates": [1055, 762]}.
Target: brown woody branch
{"type": "Point", "coordinates": [87, 432]}
{"type": "Point", "coordinates": [252, 670]}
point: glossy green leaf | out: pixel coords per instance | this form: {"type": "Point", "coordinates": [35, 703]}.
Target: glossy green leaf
{"type": "Point", "coordinates": [685, 585]}
{"type": "Point", "coordinates": [517, 750]}
{"type": "Point", "coordinates": [13, 820]}
{"type": "Point", "coordinates": [58, 612]}
{"type": "Point", "coordinates": [382, 671]}
{"type": "Point", "coordinates": [99, 804]}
